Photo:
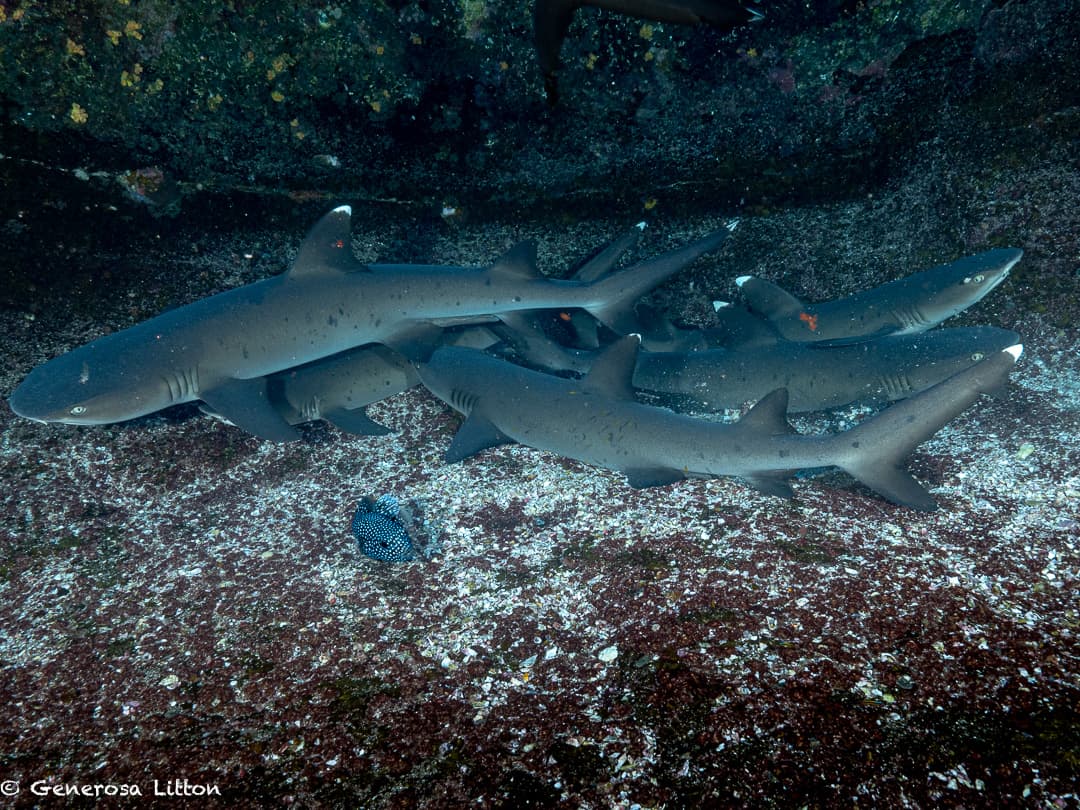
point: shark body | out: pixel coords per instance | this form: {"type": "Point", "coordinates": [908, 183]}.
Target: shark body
{"type": "Point", "coordinates": [338, 388]}
{"type": "Point", "coordinates": [221, 349]}
{"type": "Point", "coordinates": [595, 420]}
{"type": "Point", "coordinates": [911, 304]}
{"type": "Point", "coordinates": [816, 376]}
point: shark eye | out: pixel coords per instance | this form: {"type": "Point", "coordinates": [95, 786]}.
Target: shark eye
{"type": "Point", "coordinates": [78, 409]}
{"type": "Point", "coordinates": [979, 279]}
{"type": "Point", "coordinates": [977, 356]}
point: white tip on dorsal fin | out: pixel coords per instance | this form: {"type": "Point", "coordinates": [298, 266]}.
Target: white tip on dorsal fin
{"type": "Point", "coordinates": [642, 225]}
{"type": "Point", "coordinates": [742, 280]}
{"type": "Point", "coordinates": [719, 305]}
{"type": "Point", "coordinates": [327, 247]}
{"type": "Point", "coordinates": [1015, 350]}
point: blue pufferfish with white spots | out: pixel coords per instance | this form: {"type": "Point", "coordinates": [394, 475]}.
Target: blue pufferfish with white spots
{"type": "Point", "coordinates": [380, 532]}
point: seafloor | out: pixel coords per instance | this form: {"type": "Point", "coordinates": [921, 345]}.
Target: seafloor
{"type": "Point", "coordinates": [181, 601]}
{"type": "Point", "coordinates": [182, 606]}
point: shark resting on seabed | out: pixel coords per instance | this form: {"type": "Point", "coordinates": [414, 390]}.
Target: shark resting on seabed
{"type": "Point", "coordinates": [223, 348]}
{"type": "Point", "coordinates": [597, 421]}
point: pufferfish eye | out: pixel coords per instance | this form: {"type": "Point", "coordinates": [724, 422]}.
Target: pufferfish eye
{"type": "Point", "coordinates": [78, 409]}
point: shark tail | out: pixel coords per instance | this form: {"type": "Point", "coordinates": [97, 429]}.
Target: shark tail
{"type": "Point", "coordinates": [874, 452]}
{"type": "Point", "coordinates": [613, 297]}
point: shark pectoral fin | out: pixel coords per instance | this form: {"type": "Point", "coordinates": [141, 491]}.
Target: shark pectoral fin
{"type": "Point", "coordinates": [416, 341]}
{"type": "Point", "coordinates": [206, 410]}
{"type": "Point", "coordinates": [527, 339]}
{"type": "Point", "coordinates": [893, 483]}
{"type": "Point", "coordinates": [771, 483]}
{"type": "Point", "coordinates": [472, 337]}
{"type": "Point", "coordinates": [475, 434]}
{"type": "Point", "coordinates": [463, 320]}
{"type": "Point", "coordinates": [769, 300]}
{"type": "Point", "coordinates": [355, 421]}
{"type": "Point", "coordinates": [246, 405]}
{"type": "Point", "coordinates": [642, 477]}
{"type": "Point", "coordinates": [586, 329]}
{"type": "Point", "coordinates": [612, 372]}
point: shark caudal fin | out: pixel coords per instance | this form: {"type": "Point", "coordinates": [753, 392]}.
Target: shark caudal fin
{"type": "Point", "coordinates": [615, 295]}
{"type": "Point", "coordinates": [875, 451]}
{"type": "Point", "coordinates": [602, 261]}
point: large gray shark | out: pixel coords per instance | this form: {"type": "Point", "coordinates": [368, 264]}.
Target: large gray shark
{"type": "Point", "coordinates": [595, 420]}
{"type": "Point", "coordinates": [816, 376]}
{"type": "Point", "coordinates": [911, 304]}
{"type": "Point", "coordinates": [221, 349]}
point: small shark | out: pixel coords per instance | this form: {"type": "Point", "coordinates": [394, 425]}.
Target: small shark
{"type": "Point", "coordinates": [595, 420]}
{"type": "Point", "coordinates": [911, 304]}
{"type": "Point", "coordinates": [552, 18]}
{"type": "Point", "coordinates": [339, 388]}
{"type": "Point", "coordinates": [816, 376]}
{"type": "Point", "coordinates": [222, 348]}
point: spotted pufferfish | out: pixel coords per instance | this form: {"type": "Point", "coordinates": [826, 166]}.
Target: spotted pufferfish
{"type": "Point", "coordinates": [379, 532]}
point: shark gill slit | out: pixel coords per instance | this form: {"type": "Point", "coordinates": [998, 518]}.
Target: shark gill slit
{"type": "Point", "coordinates": [312, 409]}
{"type": "Point", "coordinates": [911, 317]}
{"type": "Point", "coordinates": [183, 385]}
{"type": "Point", "coordinates": [462, 400]}
{"type": "Point", "coordinates": [896, 385]}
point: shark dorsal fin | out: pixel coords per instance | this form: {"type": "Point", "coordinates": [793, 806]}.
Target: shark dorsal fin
{"type": "Point", "coordinates": [612, 373]}
{"type": "Point", "coordinates": [769, 416]}
{"type": "Point", "coordinates": [768, 299]}
{"type": "Point", "coordinates": [327, 247]}
{"type": "Point", "coordinates": [518, 262]}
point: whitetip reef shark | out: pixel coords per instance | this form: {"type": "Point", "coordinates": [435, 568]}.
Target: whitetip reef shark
{"type": "Point", "coordinates": [596, 420]}
{"type": "Point", "coordinates": [911, 304]}
{"type": "Point", "coordinates": [221, 349]}
{"type": "Point", "coordinates": [816, 376]}
{"type": "Point", "coordinates": [338, 388]}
